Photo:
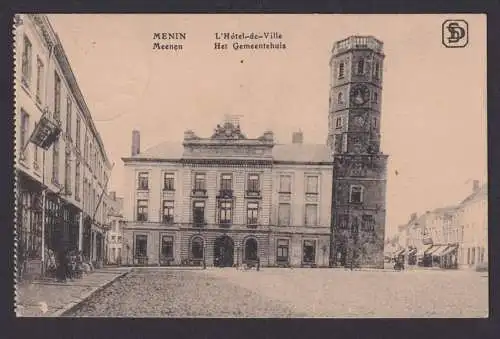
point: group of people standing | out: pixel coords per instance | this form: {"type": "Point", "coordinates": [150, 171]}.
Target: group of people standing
{"type": "Point", "coordinates": [70, 264]}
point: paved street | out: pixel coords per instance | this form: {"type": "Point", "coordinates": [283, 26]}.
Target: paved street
{"type": "Point", "coordinates": [291, 293]}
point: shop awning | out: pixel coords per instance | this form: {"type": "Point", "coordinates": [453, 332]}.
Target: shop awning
{"type": "Point", "coordinates": [399, 252]}
{"type": "Point", "coordinates": [421, 251]}
{"type": "Point", "coordinates": [440, 250]}
{"type": "Point", "coordinates": [432, 249]}
{"type": "Point", "coordinates": [450, 249]}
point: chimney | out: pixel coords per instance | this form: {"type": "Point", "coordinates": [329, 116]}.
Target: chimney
{"type": "Point", "coordinates": [136, 142]}
{"type": "Point", "coordinates": [297, 137]}
{"type": "Point", "coordinates": [112, 195]}
{"type": "Point", "coordinates": [475, 186]}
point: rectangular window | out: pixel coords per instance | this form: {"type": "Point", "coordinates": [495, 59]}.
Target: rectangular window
{"type": "Point", "coordinates": [253, 184]}
{"type": "Point", "coordinates": [342, 221]}
{"type": "Point", "coordinates": [142, 210]}
{"type": "Point", "coordinates": [226, 182]}
{"type": "Point", "coordinates": [225, 212]}
{"type": "Point", "coordinates": [283, 214]}
{"type": "Point", "coordinates": [141, 246]}
{"type": "Point", "coordinates": [55, 162]}
{"type": "Point", "coordinates": [67, 173]}
{"type": "Point", "coordinates": [361, 66]}
{"type": "Point", "coordinates": [253, 213]}
{"type": "Point", "coordinates": [69, 108]}
{"type": "Point", "coordinates": [143, 181]}
{"type": "Point", "coordinates": [282, 250]}
{"type": "Point", "coordinates": [376, 70]}
{"type": "Point", "coordinates": [285, 184]}
{"type": "Point", "coordinates": [86, 148]}
{"type": "Point", "coordinates": [309, 251]}
{"type": "Point", "coordinates": [368, 223]}
{"type": "Point", "coordinates": [168, 181]}
{"type": "Point", "coordinates": [77, 180]}
{"type": "Point", "coordinates": [168, 212]}
{"type": "Point", "coordinates": [39, 80]}
{"type": "Point", "coordinates": [23, 137]}
{"type": "Point", "coordinates": [167, 246]}
{"type": "Point", "coordinates": [113, 238]}
{"type": "Point", "coordinates": [344, 142]}
{"type": "Point", "coordinates": [356, 194]}
{"type": "Point", "coordinates": [199, 213]}
{"type": "Point", "coordinates": [311, 185]}
{"type": "Point", "coordinates": [78, 131]}
{"type": "Point", "coordinates": [338, 122]}
{"type": "Point", "coordinates": [375, 97]}
{"type": "Point", "coordinates": [26, 63]}
{"type": "Point", "coordinates": [311, 215]}
{"type": "Point", "coordinates": [199, 182]}
{"type": "Point", "coordinates": [57, 97]}
{"type": "Point", "coordinates": [341, 70]}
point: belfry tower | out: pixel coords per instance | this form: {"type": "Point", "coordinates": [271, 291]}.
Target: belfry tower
{"type": "Point", "coordinates": [359, 175]}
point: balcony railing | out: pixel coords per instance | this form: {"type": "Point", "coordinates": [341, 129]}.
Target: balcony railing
{"type": "Point", "coordinates": [199, 192]}
{"type": "Point", "coordinates": [253, 194]}
{"type": "Point", "coordinates": [225, 223]}
{"type": "Point", "coordinates": [167, 220]}
{"type": "Point", "coordinates": [225, 193]}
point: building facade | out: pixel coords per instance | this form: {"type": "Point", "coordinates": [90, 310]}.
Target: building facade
{"type": "Point", "coordinates": [455, 236]}
{"type": "Point", "coordinates": [227, 200]}
{"type": "Point", "coordinates": [58, 188]}
{"type": "Point", "coordinates": [360, 168]}
{"type": "Point", "coordinates": [114, 236]}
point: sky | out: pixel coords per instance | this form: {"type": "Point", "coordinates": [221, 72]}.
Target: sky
{"type": "Point", "coordinates": [433, 121]}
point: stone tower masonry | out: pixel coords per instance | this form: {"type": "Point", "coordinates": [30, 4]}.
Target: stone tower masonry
{"type": "Point", "coordinates": [359, 179]}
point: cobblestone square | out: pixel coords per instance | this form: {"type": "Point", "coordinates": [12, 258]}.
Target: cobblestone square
{"type": "Point", "coordinates": [291, 293]}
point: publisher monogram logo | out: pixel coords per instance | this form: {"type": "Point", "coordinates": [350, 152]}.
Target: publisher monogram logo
{"type": "Point", "coordinates": [455, 33]}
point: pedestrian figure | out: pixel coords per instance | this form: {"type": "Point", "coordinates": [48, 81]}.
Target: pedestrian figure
{"type": "Point", "coordinates": [62, 266]}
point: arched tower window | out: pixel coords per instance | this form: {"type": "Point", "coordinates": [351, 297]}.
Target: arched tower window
{"type": "Point", "coordinates": [376, 70]}
{"type": "Point", "coordinates": [340, 98]}
{"type": "Point", "coordinates": [341, 70]}
{"type": "Point", "coordinates": [361, 66]}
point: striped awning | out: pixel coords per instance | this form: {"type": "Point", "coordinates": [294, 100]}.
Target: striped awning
{"type": "Point", "coordinates": [421, 251]}
{"type": "Point", "coordinates": [439, 252]}
{"type": "Point", "coordinates": [450, 249]}
{"type": "Point", "coordinates": [432, 249]}
{"type": "Point", "coordinates": [399, 252]}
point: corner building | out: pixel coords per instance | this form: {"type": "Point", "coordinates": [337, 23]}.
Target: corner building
{"type": "Point", "coordinates": [359, 170]}
{"type": "Point", "coordinates": [228, 199]}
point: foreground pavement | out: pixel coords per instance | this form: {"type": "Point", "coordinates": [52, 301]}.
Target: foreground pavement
{"type": "Point", "coordinates": [174, 292]}
{"type": "Point", "coordinates": [48, 298]}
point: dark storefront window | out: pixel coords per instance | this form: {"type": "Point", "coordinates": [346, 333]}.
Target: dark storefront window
{"type": "Point", "coordinates": [167, 247]}
{"type": "Point", "coordinates": [197, 248]}
{"type": "Point", "coordinates": [141, 246]}
{"type": "Point", "coordinates": [29, 227]}
{"type": "Point", "coordinates": [309, 251]}
{"type": "Point", "coordinates": [282, 250]}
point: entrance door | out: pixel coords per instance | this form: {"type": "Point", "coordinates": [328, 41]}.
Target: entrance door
{"type": "Point", "coordinates": [223, 251]}
{"type": "Point", "coordinates": [250, 249]}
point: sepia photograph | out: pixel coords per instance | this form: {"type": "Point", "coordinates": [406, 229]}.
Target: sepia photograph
{"type": "Point", "coordinates": [251, 166]}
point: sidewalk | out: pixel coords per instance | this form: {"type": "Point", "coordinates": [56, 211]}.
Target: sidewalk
{"type": "Point", "coordinates": [52, 299]}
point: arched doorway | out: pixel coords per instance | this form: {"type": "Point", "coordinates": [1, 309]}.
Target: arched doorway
{"type": "Point", "coordinates": [223, 251]}
{"type": "Point", "coordinates": [251, 250]}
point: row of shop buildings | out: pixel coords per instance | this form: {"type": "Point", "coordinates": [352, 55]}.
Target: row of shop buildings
{"type": "Point", "coordinates": [450, 237]}
{"type": "Point", "coordinates": [61, 165]}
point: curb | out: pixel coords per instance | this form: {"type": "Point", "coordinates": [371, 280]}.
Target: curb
{"type": "Point", "coordinates": [86, 296]}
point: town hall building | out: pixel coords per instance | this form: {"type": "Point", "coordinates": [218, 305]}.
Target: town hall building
{"type": "Point", "coordinates": [228, 199]}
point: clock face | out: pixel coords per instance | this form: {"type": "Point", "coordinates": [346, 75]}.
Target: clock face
{"type": "Point", "coordinates": [360, 94]}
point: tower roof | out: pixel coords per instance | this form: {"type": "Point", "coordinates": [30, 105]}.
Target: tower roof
{"type": "Point", "coordinates": [358, 42]}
